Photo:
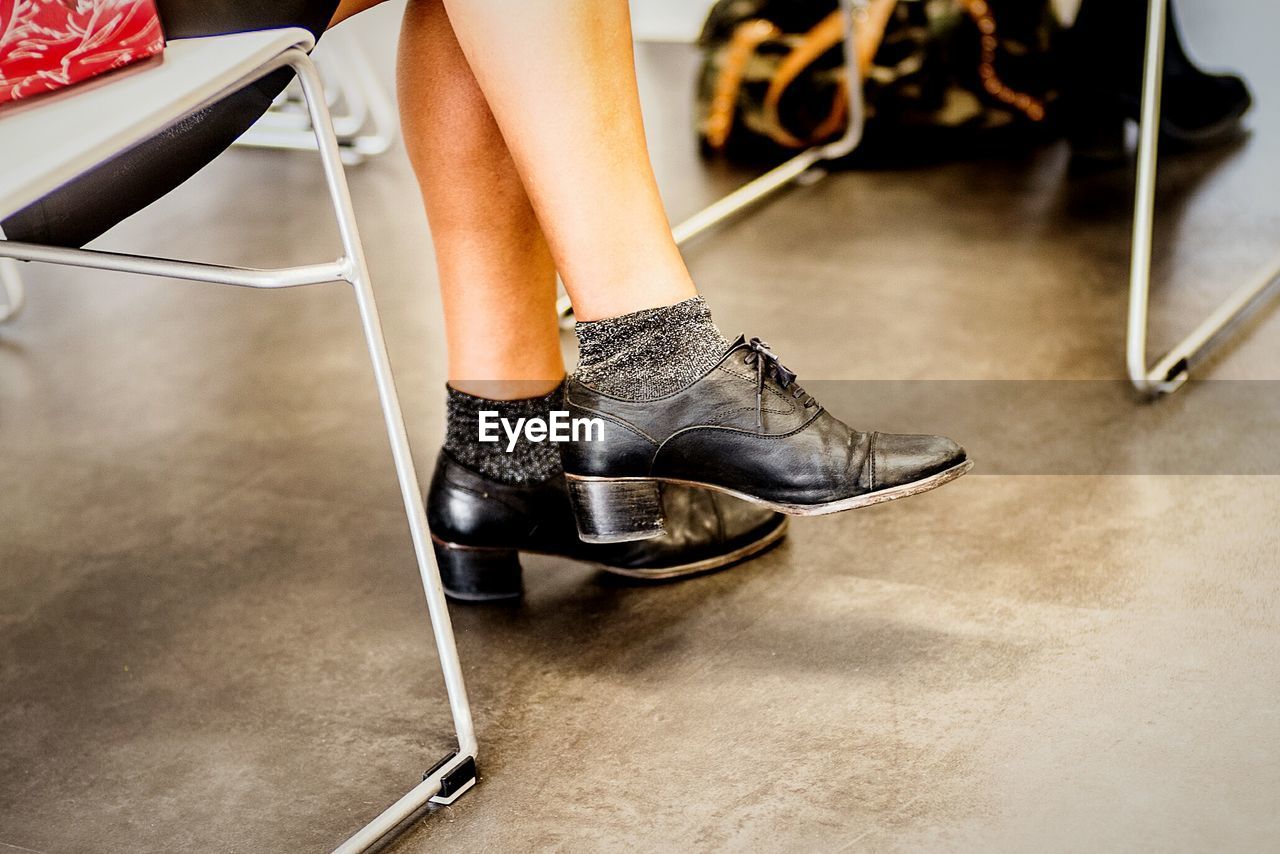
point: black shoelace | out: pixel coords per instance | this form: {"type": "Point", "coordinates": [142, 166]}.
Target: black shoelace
{"type": "Point", "coordinates": [767, 365]}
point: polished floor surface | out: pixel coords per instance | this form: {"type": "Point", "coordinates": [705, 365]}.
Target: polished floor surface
{"type": "Point", "coordinates": [211, 633]}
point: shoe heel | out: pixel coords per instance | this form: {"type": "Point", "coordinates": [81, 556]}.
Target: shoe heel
{"type": "Point", "coordinates": [616, 511]}
{"type": "Point", "coordinates": [477, 574]}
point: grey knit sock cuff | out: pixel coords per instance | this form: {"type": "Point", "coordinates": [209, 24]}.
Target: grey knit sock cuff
{"type": "Point", "coordinates": [648, 354]}
{"type": "Point", "coordinates": [527, 462]}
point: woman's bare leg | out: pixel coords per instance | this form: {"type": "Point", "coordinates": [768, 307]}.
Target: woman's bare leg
{"type": "Point", "coordinates": [559, 75]}
{"type": "Point", "coordinates": [497, 278]}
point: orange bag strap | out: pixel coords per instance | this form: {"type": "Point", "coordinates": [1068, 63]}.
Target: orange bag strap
{"type": "Point", "coordinates": [828, 33]}
{"type": "Point", "coordinates": [747, 36]}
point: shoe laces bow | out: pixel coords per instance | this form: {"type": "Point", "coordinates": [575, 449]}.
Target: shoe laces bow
{"type": "Point", "coordinates": [767, 365]}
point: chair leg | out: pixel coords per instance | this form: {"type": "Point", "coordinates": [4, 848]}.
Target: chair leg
{"type": "Point", "coordinates": [367, 123]}
{"type": "Point", "coordinates": [456, 773]}
{"type": "Point", "coordinates": [12, 291]}
{"type": "Point", "coordinates": [362, 89]}
{"type": "Point", "coordinates": [1170, 371]}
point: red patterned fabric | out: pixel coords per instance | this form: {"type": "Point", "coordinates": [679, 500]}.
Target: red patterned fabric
{"type": "Point", "coordinates": [49, 44]}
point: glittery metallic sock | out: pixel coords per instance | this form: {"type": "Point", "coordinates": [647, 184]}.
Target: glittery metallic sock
{"type": "Point", "coordinates": [650, 353]}
{"type": "Point", "coordinates": [527, 462]}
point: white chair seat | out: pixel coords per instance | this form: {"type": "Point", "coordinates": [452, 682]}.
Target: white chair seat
{"type": "Point", "coordinates": [47, 141]}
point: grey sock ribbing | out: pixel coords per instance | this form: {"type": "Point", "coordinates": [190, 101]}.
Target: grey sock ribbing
{"type": "Point", "coordinates": [648, 354]}
{"type": "Point", "coordinates": [528, 462]}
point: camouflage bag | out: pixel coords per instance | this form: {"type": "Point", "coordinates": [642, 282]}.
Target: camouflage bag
{"type": "Point", "coordinates": [941, 77]}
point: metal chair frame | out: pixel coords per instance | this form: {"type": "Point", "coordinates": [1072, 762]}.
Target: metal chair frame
{"type": "Point", "coordinates": [11, 289]}
{"type": "Point", "coordinates": [365, 119]}
{"type": "Point", "coordinates": [1170, 371]}
{"type": "Point", "coordinates": [456, 773]}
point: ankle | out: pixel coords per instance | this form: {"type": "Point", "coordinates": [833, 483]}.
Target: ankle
{"type": "Point", "coordinates": [516, 461]}
{"type": "Point", "coordinates": [647, 354]}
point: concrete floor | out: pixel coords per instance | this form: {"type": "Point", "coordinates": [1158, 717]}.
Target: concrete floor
{"type": "Point", "coordinates": [211, 634]}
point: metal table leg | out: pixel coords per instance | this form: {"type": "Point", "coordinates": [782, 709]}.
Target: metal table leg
{"type": "Point", "coordinates": [454, 775]}
{"type": "Point", "coordinates": [1170, 370]}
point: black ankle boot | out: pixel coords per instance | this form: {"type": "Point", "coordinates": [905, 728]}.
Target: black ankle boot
{"type": "Point", "coordinates": [480, 525]}
{"type": "Point", "coordinates": [1103, 86]}
{"type": "Point", "coordinates": [744, 428]}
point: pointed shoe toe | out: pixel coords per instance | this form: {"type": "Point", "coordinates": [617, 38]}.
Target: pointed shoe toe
{"type": "Point", "coordinates": [898, 459]}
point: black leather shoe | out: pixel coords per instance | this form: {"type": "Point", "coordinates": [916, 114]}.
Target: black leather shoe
{"type": "Point", "coordinates": [480, 525]}
{"type": "Point", "coordinates": [744, 428]}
